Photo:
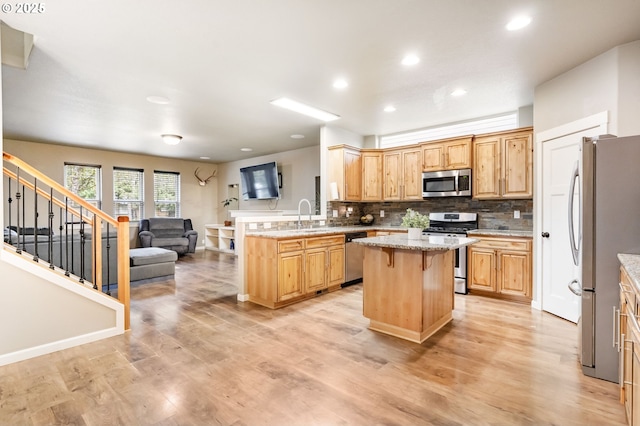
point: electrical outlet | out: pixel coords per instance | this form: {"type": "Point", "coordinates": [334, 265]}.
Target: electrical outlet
{"type": "Point", "coordinates": [267, 225]}
{"type": "Point", "coordinates": [381, 213]}
{"type": "Point", "coordinates": [253, 226]}
{"type": "Point", "coordinates": [203, 241]}
{"type": "Point", "coordinates": [335, 213]}
{"type": "Point", "coordinates": [322, 223]}
{"type": "Point", "coordinates": [516, 214]}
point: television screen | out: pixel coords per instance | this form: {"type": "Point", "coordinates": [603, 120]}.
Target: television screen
{"type": "Point", "coordinates": [260, 182]}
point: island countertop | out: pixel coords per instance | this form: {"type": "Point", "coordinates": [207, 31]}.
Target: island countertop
{"type": "Point", "coordinates": [426, 243]}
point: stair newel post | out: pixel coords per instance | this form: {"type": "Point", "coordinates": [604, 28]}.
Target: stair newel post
{"type": "Point", "coordinates": [96, 249]}
{"type": "Point", "coordinates": [123, 268]}
{"type": "Point", "coordinates": [36, 255]}
{"type": "Point", "coordinates": [82, 242]}
{"type": "Point", "coordinates": [18, 195]}
{"type": "Point", "coordinates": [50, 226]}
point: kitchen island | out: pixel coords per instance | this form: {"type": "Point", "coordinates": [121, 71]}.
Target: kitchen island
{"type": "Point", "coordinates": [408, 284]}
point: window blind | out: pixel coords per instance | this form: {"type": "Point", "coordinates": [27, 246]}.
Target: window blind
{"type": "Point", "coordinates": [128, 192]}
{"type": "Point", "coordinates": [166, 193]}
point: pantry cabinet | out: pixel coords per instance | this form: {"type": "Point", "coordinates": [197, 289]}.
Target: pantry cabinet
{"type": "Point", "coordinates": [345, 169]}
{"type": "Point", "coordinates": [402, 170]}
{"type": "Point", "coordinates": [283, 271]}
{"type": "Point", "coordinates": [449, 154]}
{"type": "Point", "coordinates": [500, 267]}
{"type": "Point", "coordinates": [503, 165]}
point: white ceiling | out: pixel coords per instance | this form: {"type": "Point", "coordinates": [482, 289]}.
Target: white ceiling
{"type": "Point", "coordinates": [220, 62]}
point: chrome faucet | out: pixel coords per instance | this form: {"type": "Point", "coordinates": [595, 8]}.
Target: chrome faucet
{"type": "Point", "coordinates": [299, 206]}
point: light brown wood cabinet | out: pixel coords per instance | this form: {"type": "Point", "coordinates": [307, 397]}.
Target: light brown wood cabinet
{"type": "Point", "coordinates": [345, 169]}
{"type": "Point", "coordinates": [503, 165]}
{"type": "Point", "coordinates": [628, 341]}
{"type": "Point", "coordinates": [371, 175]}
{"type": "Point", "coordinates": [402, 169]}
{"type": "Point", "coordinates": [449, 154]}
{"type": "Point", "coordinates": [500, 267]}
{"type": "Point", "coordinates": [280, 272]}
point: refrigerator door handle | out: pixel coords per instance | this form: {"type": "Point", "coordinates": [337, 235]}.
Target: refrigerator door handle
{"type": "Point", "coordinates": [575, 288]}
{"type": "Point", "coordinates": [574, 244]}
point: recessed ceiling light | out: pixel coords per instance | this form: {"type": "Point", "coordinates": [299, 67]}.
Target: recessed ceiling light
{"type": "Point", "coordinates": [246, 149]}
{"type": "Point", "coordinates": [340, 84]}
{"type": "Point", "coordinates": [304, 109]}
{"type": "Point", "coordinates": [205, 158]}
{"type": "Point", "coordinates": [160, 100]}
{"type": "Point", "coordinates": [297, 136]}
{"type": "Point", "coordinates": [410, 60]}
{"type": "Point", "coordinates": [389, 108]}
{"type": "Point", "coordinates": [171, 139]}
{"type": "Point", "coordinates": [518, 23]}
{"type": "Point", "coordinates": [458, 92]}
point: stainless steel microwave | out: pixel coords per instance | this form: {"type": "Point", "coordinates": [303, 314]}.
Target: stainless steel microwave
{"type": "Point", "coordinates": [446, 183]}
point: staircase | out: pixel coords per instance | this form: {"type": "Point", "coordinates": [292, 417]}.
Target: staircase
{"type": "Point", "coordinates": [64, 267]}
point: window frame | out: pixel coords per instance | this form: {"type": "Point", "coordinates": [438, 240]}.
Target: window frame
{"type": "Point", "coordinates": [98, 183]}
{"type": "Point", "coordinates": [131, 202]}
{"type": "Point", "coordinates": [157, 201]}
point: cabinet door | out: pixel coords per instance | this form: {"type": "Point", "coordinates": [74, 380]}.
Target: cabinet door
{"type": "Point", "coordinates": [486, 168]}
{"type": "Point", "coordinates": [371, 176]}
{"type": "Point", "coordinates": [336, 265]}
{"type": "Point", "coordinates": [457, 154]}
{"type": "Point", "coordinates": [432, 157]}
{"type": "Point", "coordinates": [316, 270]}
{"type": "Point", "coordinates": [633, 413]}
{"type": "Point", "coordinates": [290, 275]}
{"type": "Point", "coordinates": [411, 175]}
{"type": "Point", "coordinates": [482, 265]}
{"type": "Point", "coordinates": [392, 170]}
{"type": "Point", "coordinates": [353, 176]}
{"type": "Point", "coordinates": [517, 169]}
{"type": "Point", "coordinates": [513, 273]}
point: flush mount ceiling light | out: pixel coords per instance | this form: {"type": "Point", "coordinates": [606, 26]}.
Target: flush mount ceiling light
{"type": "Point", "coordinates": [205, 158]}
{"type": "Point", "coordinates": [458, 92]}
{"type": "Point", "coordinates": [304, 109]}
{"type": "Point", "coordinates": [171, 139]}
{"type": "Point", "coordinates": [518, 23]}
{"type": "Point", "coordinates": [410, 60]}
{"type": "Point", "coordinates": [389, 108]}
{"type": "Point", "coordinates": [340, 84]}
{"type": "Point", "coordinates": [297, 136]}
{"type": "Point", "coordinates": [246, 149]}
{"type": "Point", "coordinates": [160, 100]}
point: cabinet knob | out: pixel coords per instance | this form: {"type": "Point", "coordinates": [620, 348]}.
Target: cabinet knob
{"type": "Point", "coordinates": [545, 235]}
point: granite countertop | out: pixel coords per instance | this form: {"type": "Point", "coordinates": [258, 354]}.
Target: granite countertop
{"type": "Point", "coordinates": [424, 244]}
{"type": "Point", "coordinates": [326, 230]}
{"type": "Point", "coordinates": [500, 233]}
{"type": "Point", "coordinates": [631, 263]}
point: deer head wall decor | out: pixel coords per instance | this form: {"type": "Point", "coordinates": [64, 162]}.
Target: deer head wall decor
{"type": "Point", "coordinates": [203, 182]}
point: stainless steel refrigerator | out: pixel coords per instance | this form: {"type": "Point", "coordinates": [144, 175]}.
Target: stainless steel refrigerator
{"type": "Point", "coordinates": [606, 206]}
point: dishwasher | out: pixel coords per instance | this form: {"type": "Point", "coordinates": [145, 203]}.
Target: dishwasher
{"type": "Point", "coordinates": [353, 258]}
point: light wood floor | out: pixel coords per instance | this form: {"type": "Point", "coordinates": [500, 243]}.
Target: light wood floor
{"type": "Point", "coordinates": [196, 356]}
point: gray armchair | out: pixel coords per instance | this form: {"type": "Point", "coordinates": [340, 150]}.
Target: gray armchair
{"type": "Point", "coordinates": [168, 233]}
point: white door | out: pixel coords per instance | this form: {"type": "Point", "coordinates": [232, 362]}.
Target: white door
{"type": "Point", "coordinates": [559, 158]}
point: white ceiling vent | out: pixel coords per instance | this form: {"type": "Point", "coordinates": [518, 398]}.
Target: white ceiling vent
{"type": "Point", "coordinates": [16, 46]}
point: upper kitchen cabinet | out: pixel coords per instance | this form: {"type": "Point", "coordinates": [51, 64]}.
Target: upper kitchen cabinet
{"type": "Point", "coordinates": [448, 154]}
{"type": "Point", "coordinates": [503, 165]}
{"type": "Point", "coordinates": [345, 169]}
{"type": "Point", "coordinates": [371, 175]}
{"type": "Point", "coordinates": [402, 170]}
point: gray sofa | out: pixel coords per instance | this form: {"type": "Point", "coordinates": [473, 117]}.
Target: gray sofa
{"type": "Point", "coordinates": [168, 233]}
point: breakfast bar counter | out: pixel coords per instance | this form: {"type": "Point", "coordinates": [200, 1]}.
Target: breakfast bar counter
{"type": "Point", "coordinates": [408, 284]}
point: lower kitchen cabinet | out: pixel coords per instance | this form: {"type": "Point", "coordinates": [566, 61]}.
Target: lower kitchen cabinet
{"type": "Point", "coordinates": [501, 267]}
{"type": "Point", "coordinates": [280, 272]}
{"type": "Point", "coordinates": [628, 343]}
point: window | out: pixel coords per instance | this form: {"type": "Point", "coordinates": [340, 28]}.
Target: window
{"type": "Point", "coordinates": [128, 192]}
{"type": "Point", "coordinates": [166, 194]}
{"type": "Point", "coordinates": [84, 181]}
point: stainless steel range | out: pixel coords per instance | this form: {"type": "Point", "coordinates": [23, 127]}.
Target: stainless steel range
{"type": "Point", "coordinates": [454, 225]}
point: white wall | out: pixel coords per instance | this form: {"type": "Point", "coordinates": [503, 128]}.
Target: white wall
{"type": "Point", "coordinates": [198, 203]}
{"type": "Point", "coordinates": [629, 89]}
{"type": "Point", "coordinates": [299, 168]}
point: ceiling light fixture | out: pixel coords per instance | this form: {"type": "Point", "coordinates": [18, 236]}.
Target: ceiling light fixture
{"type": "Point", "coordinates": [389, 108]}
{"type": "Point", "coordinates": [410, 60]}
{"type": "Point", "coordinates": [304, 109]}
{"type": "Point", "coordinates": [246, 149]}
{"type": "Point", "coordinates": [340, 84]}
{"type": "Point", "coordinates": [297, 136]}
{"type": "Point", "coordinates": [458, 92]}
{"type": "Point", "coordinates": [160, 100]}
{"type": "Point", "coordinates": [205, 158]}
{"type": "Point", "coordinates": [171, 139]}
{"type": "Point", "coordinates": [518, 23]}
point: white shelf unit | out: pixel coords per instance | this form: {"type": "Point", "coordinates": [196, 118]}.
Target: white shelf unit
{"type": "Point", "coordinates": [219, 237]}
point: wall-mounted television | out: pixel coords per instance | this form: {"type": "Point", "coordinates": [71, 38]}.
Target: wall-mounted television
{"type": "Point", "coordinates": [259, 182]}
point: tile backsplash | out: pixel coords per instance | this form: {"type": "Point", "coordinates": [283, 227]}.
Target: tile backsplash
{"type": "Point", "coordinates": [492, 214]}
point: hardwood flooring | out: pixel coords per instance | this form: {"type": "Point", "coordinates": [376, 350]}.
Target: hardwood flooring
{"type": "Point", "coordinates": [196, 356]}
